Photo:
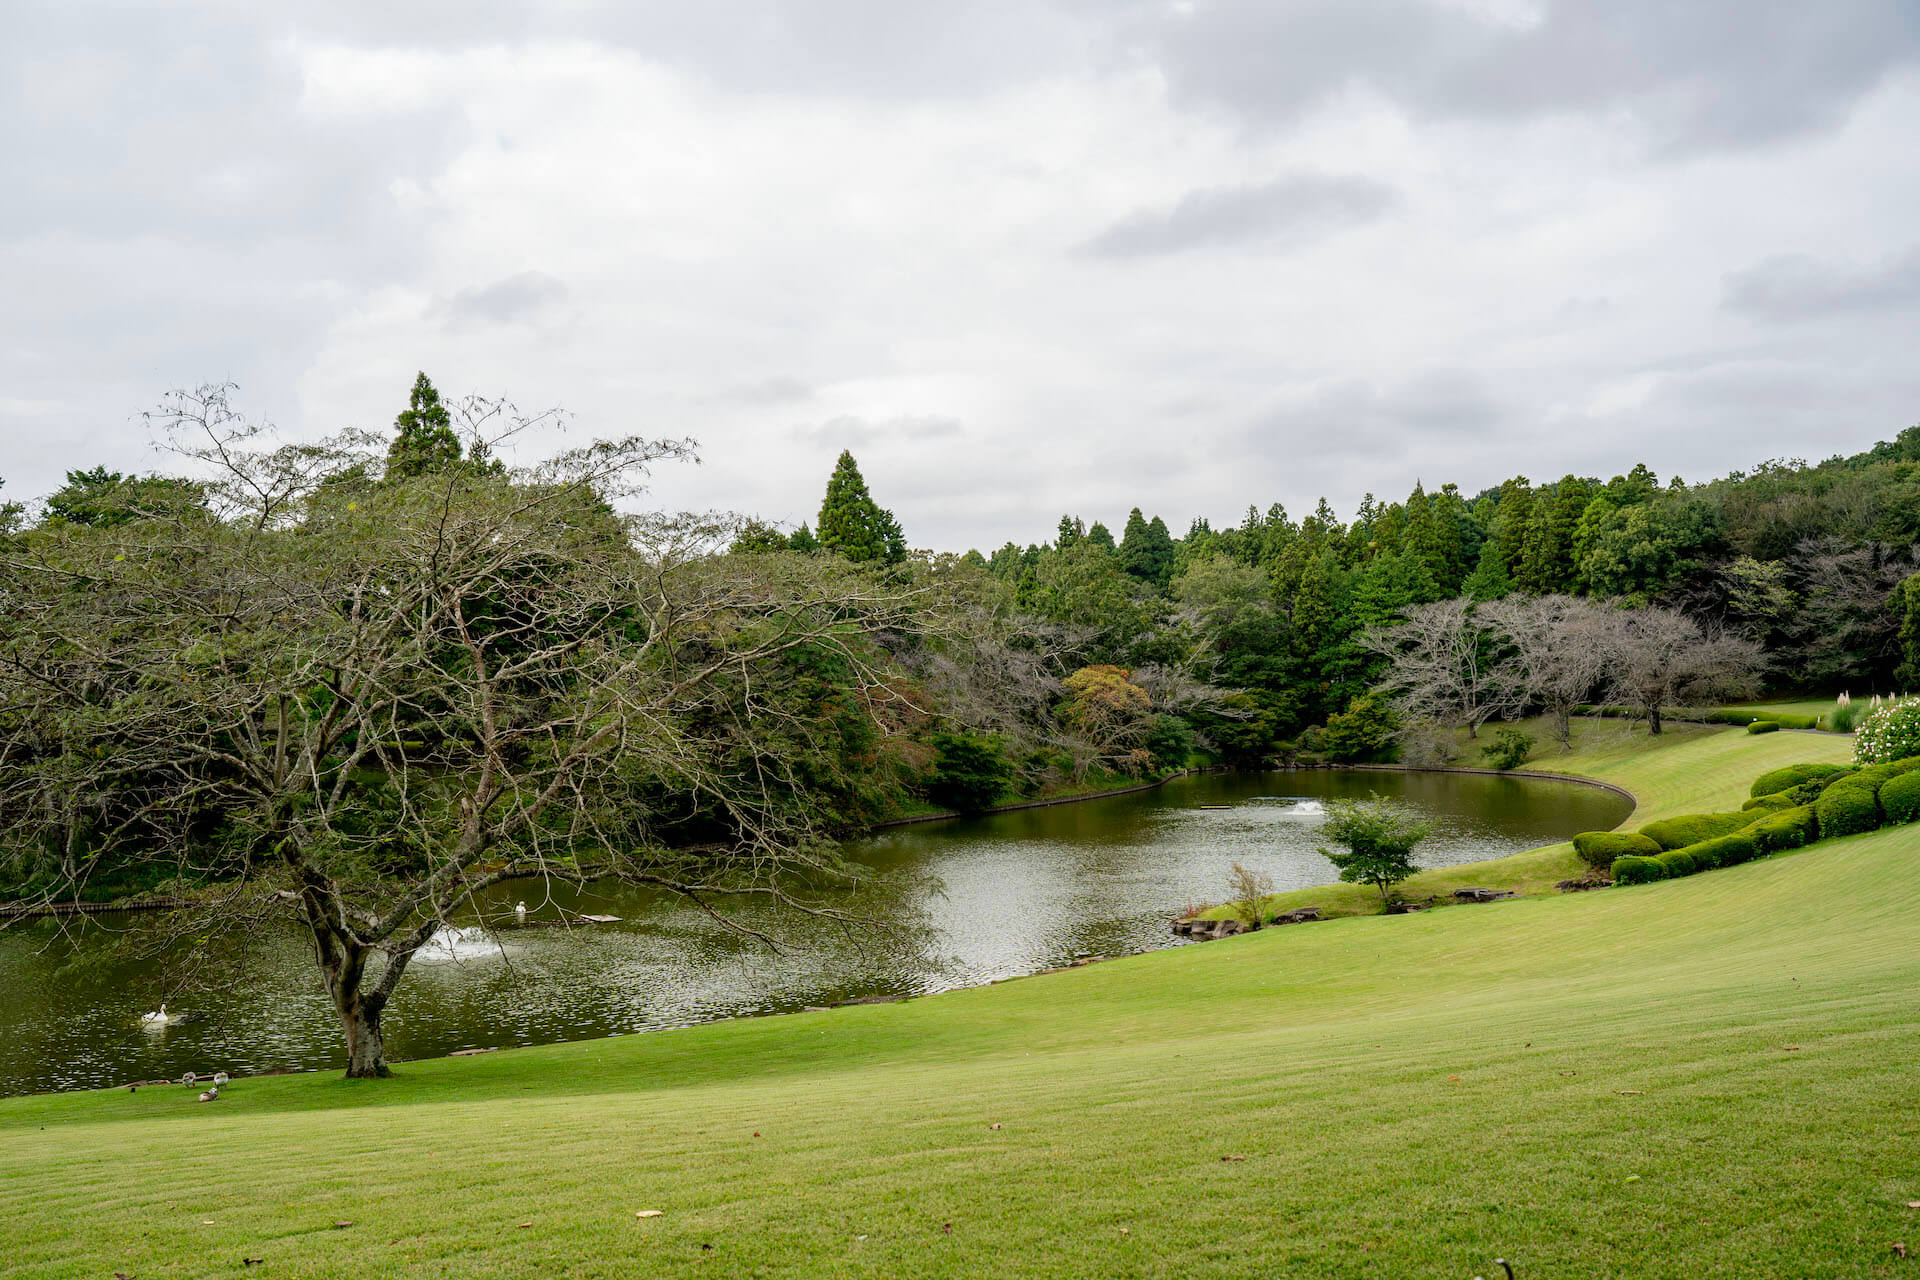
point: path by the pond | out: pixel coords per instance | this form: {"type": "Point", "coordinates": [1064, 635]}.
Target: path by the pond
{"type": "Point", "coordinates": [977, 900]}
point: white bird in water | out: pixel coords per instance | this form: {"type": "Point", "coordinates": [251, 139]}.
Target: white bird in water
{"type": "Point", "coordinates": [520, 912]}
{"type": "Point", "coordinates": [159, 1019]}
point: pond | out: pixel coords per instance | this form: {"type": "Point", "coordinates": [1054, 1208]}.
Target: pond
{"type": "Point", "coordinates": [976, 900]}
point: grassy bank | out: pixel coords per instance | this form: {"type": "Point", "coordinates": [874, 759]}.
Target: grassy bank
{"type": "Point", "coordinates": [1687, 769]}
{"type": "Point", "coordinates": [1700, 1078]}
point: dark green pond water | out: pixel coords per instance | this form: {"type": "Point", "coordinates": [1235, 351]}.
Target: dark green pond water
{"type": "Point", "coordinates": [984, 898]}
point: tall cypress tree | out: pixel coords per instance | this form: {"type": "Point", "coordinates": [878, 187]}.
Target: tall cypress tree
{"type": "Point", "coordinates": [425, 442]}
{"type": "Point", "coordinates": [852, 524]}
{"type": "Point", "coordinates": [1146, 549]}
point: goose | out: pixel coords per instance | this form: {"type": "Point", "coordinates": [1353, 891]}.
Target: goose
{"type": "Point", "coordinates": [520, 912]}
{"type": "Point", "coordinates": [160, 1019]}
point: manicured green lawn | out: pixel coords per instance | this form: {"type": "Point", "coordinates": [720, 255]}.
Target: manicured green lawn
{"type": "Point", "coordinates": [1708, 1077]}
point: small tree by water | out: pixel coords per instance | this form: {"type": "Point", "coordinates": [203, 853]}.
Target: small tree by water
{"type": "Point", "coordinates": [1380, 837]}
{"type": "Point", "coordinates": [1249, 890]}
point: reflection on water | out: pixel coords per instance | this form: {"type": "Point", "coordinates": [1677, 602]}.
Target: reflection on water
{"type": "Point", "coordinates": [974, 900]}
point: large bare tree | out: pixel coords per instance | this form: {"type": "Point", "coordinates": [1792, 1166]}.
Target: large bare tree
{"type": "Point", "coordinates": [1445, 664]}
{"type": "Point", "coordinates": [1561, 649]}
{"type": "Point", "coordinates": [358, 703]}
{"type": "Point", "coordinates": [1662, 658]}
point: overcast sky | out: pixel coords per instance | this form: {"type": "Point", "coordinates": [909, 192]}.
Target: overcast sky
{"type": "Point", "coordinates": [1021, 257]}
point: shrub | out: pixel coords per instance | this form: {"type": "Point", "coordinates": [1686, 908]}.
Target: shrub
{"type": "Point", "coordinates": [1844, 716]}
{"type": "Point", "coordinates": [1692, 828]}
{"type": "Point", "coordinates": [1771, 804]}
{"type": "Point", "coordinates": [1679, 862]}
{"type": "Point", "coordinates": [1892, 732]}
{"type": "Point", "coordinates": [1599, 849]}
{"type": "Point", "coordinates": [1900, 798]}
{"type": "Point", "coordinates": [1764, 726]}
{"type": "Point", "coordinates": [1380, 837]}
{"type": "Point", "coordinates": [1724, 851]}
{"type": "Point", "coordinates": [1169, 740]}
{"type": "Point", "coordinates": [1792, 775]}
{"type": "Point", "coordinates": [1748, 718]}
{"type": "Point", "coordinates": [1847, 808]}
{"type": "Point", "coordinates": [1633, 869]}
{"type": "Point", "coordinates": [1508, 750]}
{"type": "Point", "coordinates": [1788, 829]}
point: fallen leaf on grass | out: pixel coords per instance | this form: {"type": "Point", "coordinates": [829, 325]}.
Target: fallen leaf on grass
{"type": "Point", "coordinates": [993, 1126]}
{"type": "Point", "coordinates": [251, 1262]}
{"type": "Point", "coordinates": [1899, 1249]}
{"type": "Point", "coordinates": [1633, 1177]}
{"type": "Point", "coordinates": [647, 1213]}
{"type": "Point", "coordinates": [206, 1222]}
{"type": "Point", "coordinates": [947, 1227]}
{"type": "Point", "coordinates": [518, 1225]}
{"type": "Point", "coordinates": [1233, 1157]}
{"type": "Point", "coordinates": [1453, 1077]}
{"type": "Point", "coordinates": [1913, 1204]}
{"type": "Point", "coordinates": [1791, 1048]}
{"type": "Point", "coordinates": [344, 1222]}
{"type": "Point", "coordinates": [1630, 1091]}
{"type": "Point", "coordinates": [1124, 1231]}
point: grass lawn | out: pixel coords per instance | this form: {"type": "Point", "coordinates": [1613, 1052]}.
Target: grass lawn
{"type": "Point", "coordinates": [1708, 1077]}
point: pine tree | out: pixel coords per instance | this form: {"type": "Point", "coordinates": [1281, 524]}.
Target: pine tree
{"type": "Point", "coordinates": [425, 443]}
{"type": "Point", "coordinates": [1546, 558]}
{"type": "Point", "coordinates": [852, 524]}
{"type": "Point", "coordinates": [1434, 537]}
{"type": "Point", "coordinates": [1489, 581]}
{"type": "Point", "coordinates": [1071, 531]}
{"type": "Point", "coordinates": [1146, 549]}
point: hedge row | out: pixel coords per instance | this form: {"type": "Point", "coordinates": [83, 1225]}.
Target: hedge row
{"type": "Point", "coordinates": [1784, 813]}
{"type": "Point", "coordinates": [1727, 715]}
{"type": "Point", "coordinates": [1793, 775]}
{"type": "Point", "coordinates": [1692, 828]}
{"type": "Point", "coordinates": [1599, 849]}
{"type": "Point", "coordinates": [1764, 726]}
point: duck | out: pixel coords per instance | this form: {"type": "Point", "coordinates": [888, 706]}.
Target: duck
{"type": "Point", "coordinates": [210, 1095]}
{"type": "Point", "coordinates": [520, 912]}
{"type": "Point", "coordinates": [220, 1078]}
{"type": "Point", "coordinates": [190, 1079]}
{"type": "Point", "coordinates": [159, 1019]}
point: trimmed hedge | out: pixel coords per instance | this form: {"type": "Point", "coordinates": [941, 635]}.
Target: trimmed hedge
{"type": "Point", "coordinates": [1788, 829]}
{"type": "Point", "coordinates": [1599, 849]}
{"type": "Point", "coordinates": [1899, 798]}
{"type": "Point", "coordinates": [1847, 808]}
{"type": "Point", "coordinates": [1675, 863]}
{"type": "Point", "coordinates": [1724, 851]}
{"type": "Point", "coordinates": [1632, 869]}
{"type": "Point", "coordinates": [1692, 828]}
{"type": "Point", "coordinates": [1764, 726]}
{"type": "Point", "coordinates": [1789, 776]}
{"type": "Point", "coordinates": [1770, 804]}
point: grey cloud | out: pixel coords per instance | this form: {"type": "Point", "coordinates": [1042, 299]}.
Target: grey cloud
{"type": "Point", "coordinates": [1354, 419]}
{"type": "Point", "coordinates": [1799, 287]}
{"type": "Point", "coordinates": [1287, 210]}
{"type": "Point", "coordinates": [850, 432]}
{"type": "Point", "coordinates": [1703, 74]}
{"type": "Point", "coordinates": [519, 298]}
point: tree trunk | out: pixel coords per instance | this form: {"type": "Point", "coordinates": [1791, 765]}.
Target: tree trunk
{"type": "Point", "coordinates": [366, 1045]}
{"type": "Point", "coordinates": [1653, 720]}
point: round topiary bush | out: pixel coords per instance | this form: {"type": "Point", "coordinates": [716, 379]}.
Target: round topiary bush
{"type": "Point", "coordinates": [1788, 829]}
{"type": "Point", "coordinates": [1764, 726]}
{"type": "Point", "coordinates": [1679, 862]}
{"type": "Point", "coordinates": [1890, 732]}
{"type": "Point", "coordinates": [1599, 849]}
{"type": "Point", "coordinates": [1724, 851]}
{"type": "Point", "coordinates": [1847, 808]}
{"type": "Point", "coordinates": [1793, 775]}
{"type": "Point", "coordinates": [1770, 804]}
{"type": "Point", "coordinates": [1692, 828]}
{"type": "Point", "coordinates": [1632, 869]}
{"type": "Point", "coordinates": [1900, 798]}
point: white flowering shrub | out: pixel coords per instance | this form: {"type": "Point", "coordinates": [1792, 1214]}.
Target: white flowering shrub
{"type": "Point", "coordinates": [1890, 732]}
